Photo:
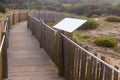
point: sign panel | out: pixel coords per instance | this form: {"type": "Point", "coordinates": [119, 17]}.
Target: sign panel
{"type": "Point", "coordinates": [69, 24]}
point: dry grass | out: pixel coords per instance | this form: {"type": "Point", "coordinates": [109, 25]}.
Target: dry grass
{"type": "Point", "coordinates": [105, 29]}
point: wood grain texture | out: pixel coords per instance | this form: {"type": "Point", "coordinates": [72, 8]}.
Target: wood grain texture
{"type": "Point", "coordinates": [25, 59]}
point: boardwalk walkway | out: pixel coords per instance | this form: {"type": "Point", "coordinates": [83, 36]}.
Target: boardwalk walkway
{"type": "Point", "coordinates": [25, 59]}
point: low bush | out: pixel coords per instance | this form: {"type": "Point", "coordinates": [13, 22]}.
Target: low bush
{"type": "Point", "coordinates": [106, 42]}
{"type": "Point", "coordinates": [2, 8]}
{"type": "Point", "coordinates": [113, 19]}
{"type": "Point", "coordinates": [90, 24]}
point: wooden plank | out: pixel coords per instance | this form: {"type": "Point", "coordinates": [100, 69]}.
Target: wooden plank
{"type": "Point", "coordinates": [116, 75]}
{"type": "Point", "coordinates": [75, 63]}
{"type": "Point", "coordinates": [94, 68]}
{"type": "Point", "coordinates": [108, 73]}
{"type": "Point", "coordinates": [83, 66]}
{"type": "Point", "coordinates": [89, 68]}
{"type": "Point", "coordinates": [60, 43]}
{"type": "Point", "coordinates": [79, 61]}
{"type": "Point", "coordinates": [98, 71]}
{"type": "Point", "coordinates": [5, 57]}
{"type": "Point", "coordinates": [71, 62]}
{"type": "Point", "coordinates": [102, 69]}
{"type": "Point", "coordinates": [66, 48]}
{"type": "Point", "coordinates": [26, 60]}
{"type": "Point", "coordinates": [1, 66]}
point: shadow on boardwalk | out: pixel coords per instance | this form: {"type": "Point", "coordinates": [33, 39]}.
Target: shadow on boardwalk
{"type": "Point", "coordinates": [25, 59]}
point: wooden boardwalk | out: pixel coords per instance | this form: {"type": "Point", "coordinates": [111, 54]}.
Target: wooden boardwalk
{"type": "Point", "coordinates": [25, 59]}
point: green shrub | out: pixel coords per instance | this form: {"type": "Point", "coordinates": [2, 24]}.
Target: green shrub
{"type": "Point", "coordinates": [90, 24]}
{"type": "Point", "coordinates": [113, 19]}
{"type": "Point", "coordinates": [106, 42]}
{"type": "Point", "coordinates": [2, 8]}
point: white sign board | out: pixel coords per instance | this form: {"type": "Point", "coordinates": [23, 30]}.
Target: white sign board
{"type": "Point", "coordinates": [69, 24]}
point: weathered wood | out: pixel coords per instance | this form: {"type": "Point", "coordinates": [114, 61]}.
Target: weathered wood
{"type": "Point", "coordinates": [94, 68]}
{"type": "Point", "coordinates": [72, 61]}
{"type": "Point", "coordinates": [102, 69]}
{"type": "Point", "coordinates": [59, 42]}
{"type": "Point", "coordinates": [83, 66]}
{"type": "Point", "coordinates": [108, 73]}
{"type": "Point", "coordinates": [116, 75]}
{"type": "Point", "coordinates": [19, 16]}
{"type": "Point", "coordinates": [75, 68]}
{"type": "Point", "coordinates": [1, 66]}
{"type": "Point", "coordinates": [79, 59]}
{"type": "Point", "coordinates": [13, 18]}
{"type": "Point", "coordinates": [98, 71]}
{"type": "Point", "coordinates": [66, 49]}
{"type": "Point", "coordinates": [10, 19]}
{"type": "Point", "coordinates": [89, 69]}
{"type": "Point", "coordinates": [26, 60]}
{"type": "Point", "coordinates": [5, 57]}
{"type": "Point", "coordinates": [75, 63]}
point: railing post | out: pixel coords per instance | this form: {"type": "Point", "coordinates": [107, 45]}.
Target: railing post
{"type": "Point", "coordinates": [8, 23]}
{"type": "Point", "coordinates": [33, 27]}
{"type": "Point", "coordinates": [7, 31]}
{"type": "Point", "coordinates": [4, 56]}
{"type": "Point", "coordinates": [13, 18]}
{"type": "Point", "coordinates": [26, 15]}
{"type": "Point", "coordinates": [19, 16]}
{"type": "Point", "coordinates": [28, 21]}
{"type": "Point", "coordinates": [72, 54]}
{"type": "Point", "coordinates": [1, 66]}
{"type": "Point", "coordinates": [61, 54]}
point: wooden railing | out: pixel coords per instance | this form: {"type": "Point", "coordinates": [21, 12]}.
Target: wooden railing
{"type": "Point", "coordinates": [73, 61]}
{"type": "Point", "coordinates": [10, 20]}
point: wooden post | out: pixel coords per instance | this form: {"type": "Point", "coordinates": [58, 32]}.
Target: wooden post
{"type": "Point", "coordinates": [78, 63]}
{"type": "Point", "coordinates": [13, 18]}
{"type": "Point", "coordinates": [83, 65]}
{"type": "Point", "coordinates": [98, 71]}
{"type": "Point", "coordinates": [89, 69]}
{"type": "Point", "coordinates": [108, 73]}
{"type": "Point", "coordinates": [19, 16]}
{"type": "Point", "coordinates": [61, 54]}
{"type": "Point", "coordinates": [7, 30]}
{"type": "Point", "coordinates": [71, 57]}
{"type": "Point", "coordinates": [4, 57]}
{"type": "Point", "coordinates": [102, 68]}
{"type": "Point", "coordinates": [33, 27]}
{"type": "Point", "coordinates": [8, 23]}
{"type": "Point", "coordinates": [28, 21]}
{"type": "Point", "coordinates": [1, 66]}
{"type": "Point", "coordinates": [94, 68]}
{"type": "Point", "coordinates": [116, 74]}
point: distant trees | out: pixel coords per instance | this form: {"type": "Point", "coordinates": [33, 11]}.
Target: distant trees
{"type": "Point", "coordinates": [2, 8]}
{"type": "Point", "coordinates": [3, 1]}
{"type": "Point", "coordinates": [89, 8]}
